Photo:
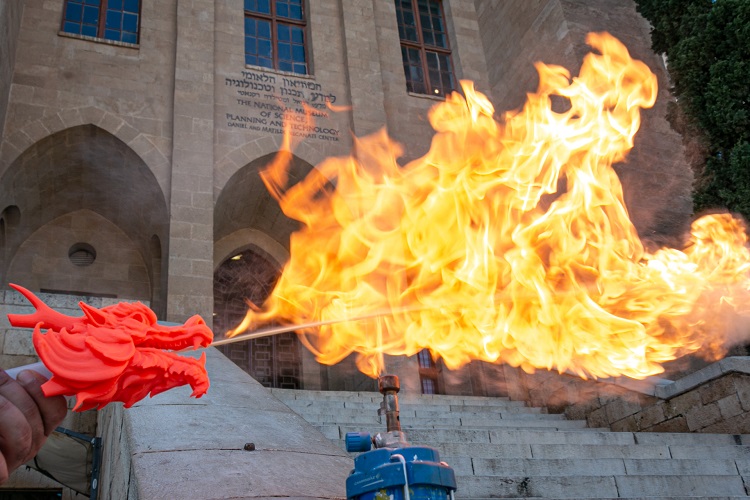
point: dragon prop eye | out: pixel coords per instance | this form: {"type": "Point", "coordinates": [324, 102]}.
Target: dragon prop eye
{"type": "Point", "coordinates": [116, 353]}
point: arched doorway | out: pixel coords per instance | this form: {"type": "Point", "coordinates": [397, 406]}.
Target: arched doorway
{"type": "Point", "coordinates": [250, 275]}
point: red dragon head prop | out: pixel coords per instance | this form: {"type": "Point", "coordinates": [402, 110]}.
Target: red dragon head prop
{"type": "Point", "coordinates": [116, 353]}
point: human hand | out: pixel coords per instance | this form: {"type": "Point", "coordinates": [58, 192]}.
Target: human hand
{"type": "Point", "coordinates": [27, 417]}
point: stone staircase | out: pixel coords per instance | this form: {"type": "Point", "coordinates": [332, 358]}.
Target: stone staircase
{"type": "Point", "coordinates": [503, 449]}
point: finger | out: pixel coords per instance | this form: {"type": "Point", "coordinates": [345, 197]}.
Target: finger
{"type": "Point", "coordinates": [15, 435]}
{"type": "Point", "coordinates": [18, 396]}
{"type": "Point", "coordinates": [4, 474]}
{"type": "Point", "coordinates": [52, 409]}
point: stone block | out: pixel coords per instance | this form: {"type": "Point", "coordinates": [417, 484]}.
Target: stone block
{"type": "Point", "coordinates": [505, 467]}
{"type": "Point", "coordinates": [627, 424]}
{"type": "Point", "coordinates": [598, 418]}
{"type": "Point", "coordinates": [676, 424]}
{"type": "Point", "coordinates": [739, 424]}
{"type": "Point", "coordinates": [730, 406]}
{"type": "Point", "coordinates": [702, 416]}
{"type": "Point", "coordinates": [550, 487]}
{"type": "Point", "coordinates": [18, 343]}
{"type": "Point", "coordinates": [680, 405]}
{"type": "Point", "coordinates": [685, 467]}
{"type": "Point", "coordinates": [572, 451]}
{"type": "Point", "coordinates": [650, 416]}
{"type": "Point", "coordinates": [717, 389]}
{"type": "Point", "coordinates": [677, 486]}
{"type": "Point", "coordinates": [618, 409]}
{"type": "Point", "coordinates": [742, 385]}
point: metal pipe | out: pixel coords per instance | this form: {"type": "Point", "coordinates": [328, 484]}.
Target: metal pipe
{"type": "Point", "coordinates": [388, 385]}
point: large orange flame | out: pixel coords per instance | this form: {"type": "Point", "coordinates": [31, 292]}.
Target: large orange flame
{"type": "Point", "coordinates": [506, 242]}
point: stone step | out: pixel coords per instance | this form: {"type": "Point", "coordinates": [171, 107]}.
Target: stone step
{"type": "Point", "coordinates": [584, 487]}
{"type": "Point", "coordinates": [503, 449]}
{"type": "Point", "coordinates": [427, 409]}
{"type": "Point", "coordinates": [416, 413]}
{"type": "Point", "coordinates": [668, 497]}
{"type": "Point", "coordinates": [432, 434]}
{"type": "Point", "coordinates": [376, 397]}
{"type": "Point", "coordinates": [502, 467]}
{"type": "Point", "coordinates": [372, 423]}
{"type": "Point", "coordinates": [591, 436]}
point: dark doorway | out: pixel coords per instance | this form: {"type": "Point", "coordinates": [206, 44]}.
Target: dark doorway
{"type": "Point", "coordinates": [250, 275]}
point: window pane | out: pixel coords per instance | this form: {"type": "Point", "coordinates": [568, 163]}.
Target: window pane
{"type": "Point", "coordinates": [112, 35]}
{"type": "Point", "coordinates": [249, 26]}
{"type": "Point", "coordinates": [285, 51]}
{"type": "Point", "coordinates": [92, 2]}
{"type": "Point", "coordinates": [298, 35]}
{"type": "Point", "coordinates": [251, 45]}
{"type": "Point", "coordinates": [428, 386]}
{"type": "Point", "coordinates": [88, 30]}
{"type": "Point", "coordinates": [265, 62]}
{"type": "Point", "coordinates": [298, 53]}
{"type": "Point", "coordinates": [114, 5]}
{"type": "Point", "coordinates": [91, 15]}
{"type": "Point", "coordinates": [282, 32]}
{"type": "Point", "coordinates": [264, 48]}
{"type": "Point", "coordinates": [407, 24]}
{"type": "Point", "coordinates": [251, 59]}
{"type": "Point", "coordinates": [264, 29]}
{"type": "Point", "coordinates": [300, 69]}
{"type": "Point", "coordinates": [73, 12]}
{"type": "Point", "coordinates": [291, 9]}
{"type": "Point", "coordinates": [413, 70]}
{"type": "Point", "coordinates": [425, 359]}
{"type": "Point", "coordinates": [441, 77]}
{"type": "Point", "coordinates": [72, 28]}
{"type": "Point", "coordinates": [131, 6]}
{"type": "Point", "coordinates": [260, 6]}
{"type": "Point", "coordinates": [285, 66]}
{"type": "Point", "coordinates": [114, 20]}
{"type": "Point", "coordinates": [130, 37]}
{"type": "Point", "coordinates": [130, 23]}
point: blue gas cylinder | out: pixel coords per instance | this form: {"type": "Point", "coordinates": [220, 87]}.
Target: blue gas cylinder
{"type": "Point", "coordinates": [381, 474]}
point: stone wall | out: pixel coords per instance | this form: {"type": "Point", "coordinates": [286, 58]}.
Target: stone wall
{"type": "Point", "coordinates": [656, 178]}
{"type": "Point", "coordinates": [714, 399]}
{"type": "Point", "coordinates": [43, 263]}
{"type": "Point", "coordinates": [16, 348]}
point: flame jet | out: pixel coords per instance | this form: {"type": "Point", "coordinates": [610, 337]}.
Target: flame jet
{"type": "Point", "coordinates": [471, 259]}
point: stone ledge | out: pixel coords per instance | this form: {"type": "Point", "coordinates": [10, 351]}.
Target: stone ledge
{"type": "Point", "coordinates": [179, 447]}
{"type": "Point", "coordinates": [668, 389]}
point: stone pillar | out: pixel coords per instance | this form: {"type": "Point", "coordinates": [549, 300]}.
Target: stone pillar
{"type": "Point", "coordinates": [10, 24]}
{"type": "Point", "coordinates": [190, 274]}
{"type": "Point", "coordinates": [361, 50]}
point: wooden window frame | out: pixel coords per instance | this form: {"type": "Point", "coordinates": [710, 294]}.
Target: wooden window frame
{"type": "Point", "coordinates": [274, 20]}
{"type": "Point", "coordinates": [102, 25]}
{"type": "Point", "coordinates": [428, 370]}
{"type": "Point", "coordinates": [424, 48]}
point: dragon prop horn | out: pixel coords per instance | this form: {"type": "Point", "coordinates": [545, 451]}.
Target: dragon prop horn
{"type": "Point", "coordinates": [44, 314]}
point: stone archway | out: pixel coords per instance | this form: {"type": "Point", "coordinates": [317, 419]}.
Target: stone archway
{"type": "Point", "coordinates": [86, 170]}
{"type": "Point", "coordinates": [251, 236]}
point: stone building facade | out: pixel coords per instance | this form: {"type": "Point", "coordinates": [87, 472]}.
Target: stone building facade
{"type": "Point", "coordinates": [130, 170]}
